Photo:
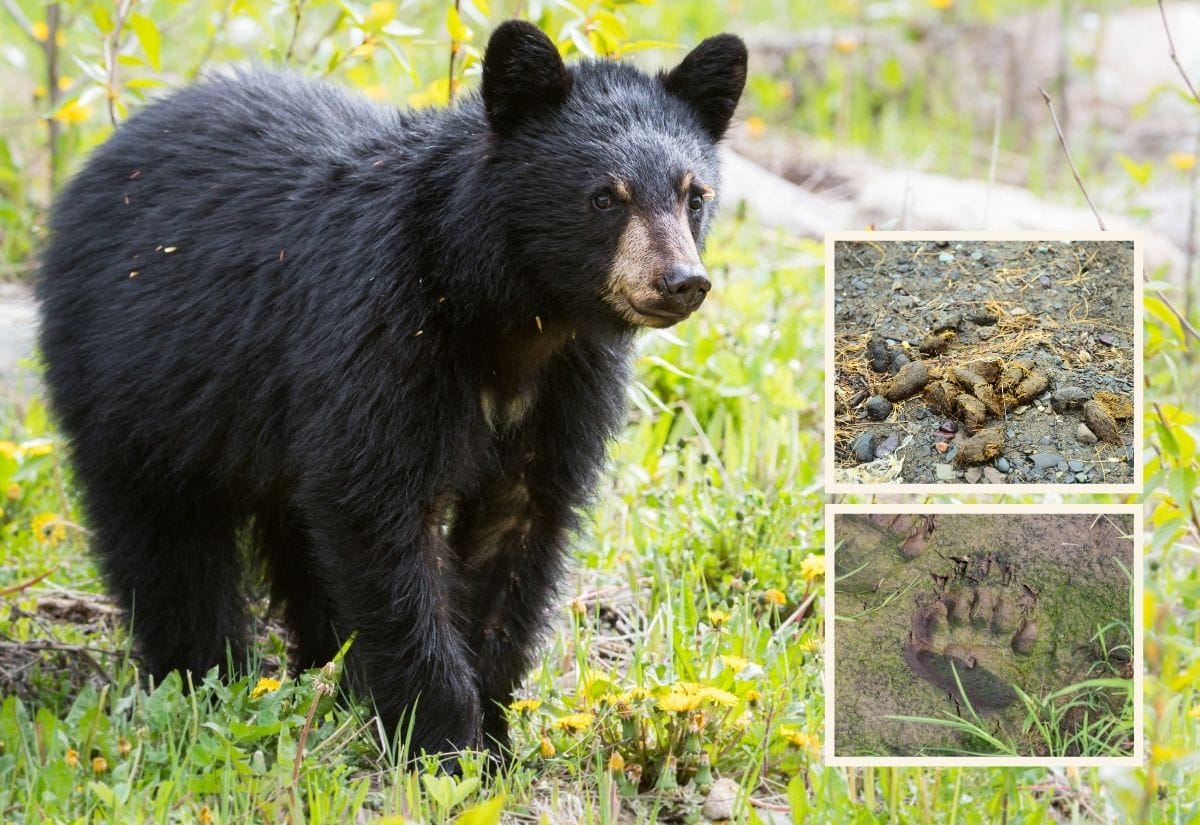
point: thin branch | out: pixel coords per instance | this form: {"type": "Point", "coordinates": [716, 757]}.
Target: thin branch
{"type": "Point", "coordinates": [1175, 57]}
{"type": "Point", "coordinates": [454, 46]}
{"type": "Point", "coordinates": [112, 47]}
{"type": "Point", "coordinates": [298, 14]}
{"type": "Point", "coordinates": [1063, 140]}
{"type": "Point", "coordinates": [25, 585]}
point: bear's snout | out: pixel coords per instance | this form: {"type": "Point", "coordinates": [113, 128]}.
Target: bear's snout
{"type": "Point", "coordinates": [685, 285]}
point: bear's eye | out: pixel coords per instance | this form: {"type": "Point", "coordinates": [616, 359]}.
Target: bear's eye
{"type": "Point", "coordinates": [602, 201]}
{"type": "Point", "coordinates": [696, 202]}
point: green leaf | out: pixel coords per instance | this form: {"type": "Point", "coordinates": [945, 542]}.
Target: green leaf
{"type": "Point", "coordinates": [148, 35]}
{"type": "Point", "coordinates": [486, 814]}
{"type": "Point", "coordinates": [1140, 172]}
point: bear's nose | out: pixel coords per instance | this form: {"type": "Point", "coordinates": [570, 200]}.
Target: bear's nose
{"type": "Point", "coordinates": [686, 282]}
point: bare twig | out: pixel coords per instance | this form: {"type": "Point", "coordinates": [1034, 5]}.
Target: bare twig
{"type": "Point", "coordinates": [1174, 57]}
{"type": "Point", "coordinates": [454, 47]}
{"type": "Point", "coordinates": [1063, 140]}
{"type": "Point", "coordinates": [112, 46]}
{"type": "Point", "coordinates": [25, 585]}
{"type": "Point", "coordinates": [53, 128]}
{"type": "Point", "coordinates": [297, 15]}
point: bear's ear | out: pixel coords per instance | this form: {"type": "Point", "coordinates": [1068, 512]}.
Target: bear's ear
{"type": "Point", "coordinates": [523, 76]}
{"type": "Point", "coordinates": [710, 80]}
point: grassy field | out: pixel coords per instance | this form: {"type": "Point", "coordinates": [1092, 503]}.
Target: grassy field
{"type": "Point", "coordinates": [687, 652]}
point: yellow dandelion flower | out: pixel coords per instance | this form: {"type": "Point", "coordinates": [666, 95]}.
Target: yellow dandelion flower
{"type": "Point", "coordinates": [1183, 161]}
{"type": "Point", "coordinates": [718, 618]}
{"type": "Point", "coordinates": [753, 697]}
{"type": "Point", "coordinates": [811, 645]}
{"type": "Point", "coordinates": [633, 695]}
{"type": "Point", "coordinates": [775, 597]}
{"type": "Point", "coordinates": [574, 721]}
{"type": "Point", "coordinates": [941, 5]}
{"type": "Point", "coordinates": [546, 748]}
{"type": "Point", "coordinates": [99, 765]}
{"type": "Point", "coordinates": [718, 696]}
{"type": "Point", "coordinates": [799, 739]}
{"type": "Point", "coordinates": [616, 762]}
{"type": "Point", "coordinates": [679, 702]}
{"type": "Point", "coordinates": [845, 44]}
{"type": "Point", "coordinates": [812, 567]}
{"type": "Point", "coordinates": [39, 92]}
{"type": "Point", "coordinates": [8, 449]}
{"type": "Point", "coordinates": [72, 757]}
{"type": "Point", "coordinates": [48, 528]}
{"type": "Point", "coordinates": [526, 705]}
{"type": "Point", "coordinates": [40, 31]}
{"type": "Point", "coordinates": [65, 82]}
{"type": "Point", "coordinates": [13, 492]}
{"type": "Point", "coordinates": [205, 816]}
{"type": "Point", "coordinates": [265, 685]}
{"type": "Point", "coordinates": [41, 446]}
{"type": "Point", "coordinates": [735, 663]}
{"type": "Point", "coordinates": [123, 746]}
{"type": "Point", "coordinates": [73, 113]}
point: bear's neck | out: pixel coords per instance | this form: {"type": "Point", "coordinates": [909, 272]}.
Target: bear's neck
{"type": "Point", "coordinates": [517, 357]}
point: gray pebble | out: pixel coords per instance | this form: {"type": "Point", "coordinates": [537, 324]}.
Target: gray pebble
{"type": "Point", "coordinates": [887, 446]}
{"type": "Point", "coordinates": [863, 447]}
{"type": "Point", "coordinates": [1002, 464]}
{"type": "Point", "coordinates": [1081, 477]}
{"type": "Point", "coordinates": [946, 257]}
{"type": "Point", "coordinates": [976, 255]}
{"type": "Point", "coordinates": [1045, 461]}
{"type": "Point", "coordinates": [1084, 435]}
{"type": "Point", "coordinates": [945, 472]}
{"type": "Point", "coordinates": [973, 475]}
{"type": "Point", "coordinates": [899, 359]}
{"type": "Point", "coordinates": [878, 407]}
{"type": "Point", "coordinates": [1066, 398]}
{"type": "Point", "coordinates": [1047, 440]}
{"type": "Point", "coordinates": [993, 476]}
{"type": "Point", "coordinates": [1069, 480]}
{"type": "Point", "coordinates": [1076, 465]}
{"type": "Point", "coordinates": [951, 453]}
{"type": "Point", "coordinates": [1061, 466]}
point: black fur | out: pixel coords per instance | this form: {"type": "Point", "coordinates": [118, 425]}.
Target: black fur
{"type": "Point", "coordinates": [269, 305]}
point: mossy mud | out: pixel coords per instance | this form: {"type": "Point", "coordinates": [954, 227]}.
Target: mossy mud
{"type": "Point", "coordinates": [995, 602]}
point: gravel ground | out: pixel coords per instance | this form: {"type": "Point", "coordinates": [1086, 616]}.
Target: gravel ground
{"type": "Point", "coordinates": [1059, 314]}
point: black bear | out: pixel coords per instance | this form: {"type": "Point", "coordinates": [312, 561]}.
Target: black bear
{"type": "Point", "coordinates": [383, 350]}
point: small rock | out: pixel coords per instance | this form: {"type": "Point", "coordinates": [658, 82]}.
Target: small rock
{"type": "Point", "coordinates": [1066, 398]}
{"type": "Point", "coordinates": [994, 476]}
{"type": "Point", "coordinates": [1043, 249]}
{"type": "Point", "coordinates": [887, 446]}
{"type": "Point", "coordinates": [945, 472]}
{"type": "Point", "coordinates": [1021, 409]}
{"type": "Point", "coordinates": [973, 474]}
{"type": "Point", "coordinates": [945, 321]}
{"type": "Point", "coordinates": [1106, 339]}
{"type": "Point", "coordinates": [1081, 477]}
{"type": "Point", "coordinates": [1076, 465]}
{"type": "Point", "coordinates": [1084, 435]}
{"type": "Point", "coordinates": [1047, 440]}
{"type": "Point", "coordinates": [976, 255]}
{"type": "Point", "coordinates": [1045, 461]}
{"type": "Point", "coordinates": [1002, 464]}
{"type": "Point", "coordinates": [952, 452]}
{"type": "Point", "coordinates": [949, 426]}
{"type": "Point", "coordinates": [1044, 281]}
{"type": "Point", "coordinates": [878, 407]}
{"type": "Point", "coordinates": [941, 446]}
{"type": "Point", "coordinates": [1015, 311]}
{"type": "Point", "coordinates": [899, 359]}
{"type": "Point", "coordinates": [719, 803]}
{"type": "Point", "coordinates": [984, 318]}
{"type": "Point", "coordinates": [941, 244]}
{"type": "Point", "coordinates": [946, 257]}
{"type": "Point", "coordinates": [984, 333]}
{"type": "Point", "coordinates": [1061, 466]}
{"type": "Point", "coordinates": [878, 353]}
{"type": "Point", "coordinates": [858, 283]}
{"type": "Point", "coordinates": [1069, 480]}
{"type": "Point", "coordinates": [863, 447]}
{"type": "Point", "coordinates": [1128, 454]}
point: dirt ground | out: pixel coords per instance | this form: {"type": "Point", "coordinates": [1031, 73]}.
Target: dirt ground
{"type": "Point", "coordinates": [1023, 615]}
{"type": "Point", "coordinates": [1057, 313]}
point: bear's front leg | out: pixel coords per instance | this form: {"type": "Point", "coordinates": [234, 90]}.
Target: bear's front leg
{"type": "Point", "coordinates": [510, 539]}
{"type": "Point", "coordinates": [396, 585]}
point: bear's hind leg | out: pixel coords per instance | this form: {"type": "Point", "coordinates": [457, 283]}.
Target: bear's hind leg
{"type": "Point", "coordinates": [174, 567]}
{"type": "Point", "coordinates": [298, 583]}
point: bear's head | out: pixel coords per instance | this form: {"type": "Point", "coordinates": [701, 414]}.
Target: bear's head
{"type": "Point", "coordinates": [609, 177]}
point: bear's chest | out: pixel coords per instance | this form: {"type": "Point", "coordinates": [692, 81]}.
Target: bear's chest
{"type": "Point", "coordinates": [514, 372]}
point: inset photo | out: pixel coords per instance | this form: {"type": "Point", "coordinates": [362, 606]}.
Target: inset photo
{"type": "Point", "coordinates": [981, 362]}
{"type": "Point", "coordinates": [1000, 637]}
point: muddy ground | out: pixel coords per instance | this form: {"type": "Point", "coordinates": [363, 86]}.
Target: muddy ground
{"type": "Point", "coordinates": [1025, 618]}
{"type": "Point", "coordinates": [1054, 311]}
